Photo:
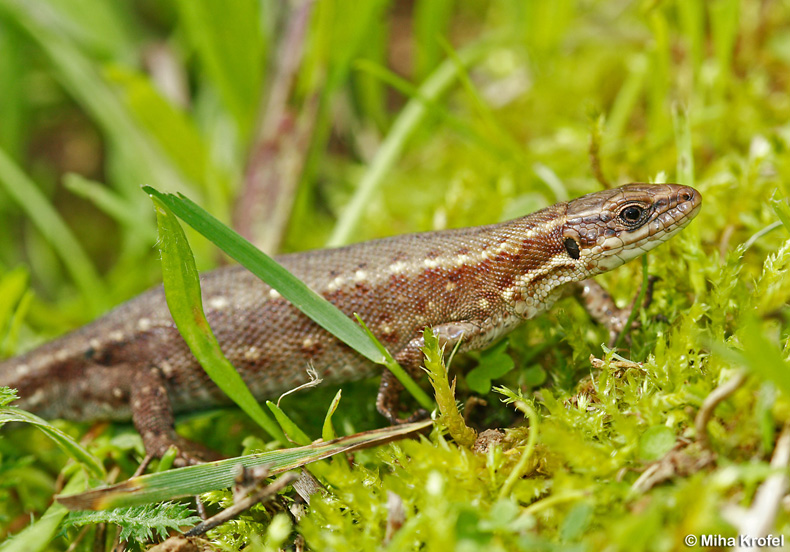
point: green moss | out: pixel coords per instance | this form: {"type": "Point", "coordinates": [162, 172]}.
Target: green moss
{"type": "Point", "coordinates": [690, 91]}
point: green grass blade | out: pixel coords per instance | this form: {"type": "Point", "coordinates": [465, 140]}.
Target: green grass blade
{"type": "Point", "coordinates": [182, 290]}
{"type": "Point", "coordinates": [103, 198]}
{"type": "Point", "coordinates": [401, 375]}
{"type": "Point", "coordinates": [14, 119]}
{"type": "Point", "coordinates": [71, 447]}
{"type": "Point", "coordinates": [267, 269]}
{"type": "Point", "coordinates": [431, 21]}
{"type": "Point", "coordinates": [13, 287]}
{"type": "Point", "coordinates": [685, 164]}
{"type": "Point", "coordinates": [229, 42]}
{"type": "Point", "coordinates": [328, 432]}
{"type": "Point", "coordinates": [293, 432]}
{"type": "Point", "coordinates": [213, 476]}
{"type": "Point", "coordinates": [47, 220]}
{"type": "Point", "coordinates": [626, 100]}
{"type": "Point", "coordinates": [321, 311]}
{"type": "Point", "coordinates": [407, 122]}
{"type": "Point", "coordinates": [724, 27]}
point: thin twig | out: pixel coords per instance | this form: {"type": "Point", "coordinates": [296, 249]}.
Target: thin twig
{"type": "Point", "coordinates": [758, 521]}
{"type": "Point", "coordinates": [711, 402]}
{"type": "Point", "coordinates": [263, 493]}
{"type": "Point", "coordinates": [757, 235]}
{"type": "Point", "coordinates": [143, 465]}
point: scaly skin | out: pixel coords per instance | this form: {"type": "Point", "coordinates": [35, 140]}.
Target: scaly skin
{"type": "Point", "coordinates": [469, 284]}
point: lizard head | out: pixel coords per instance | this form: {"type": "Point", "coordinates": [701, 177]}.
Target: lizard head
{"type": "Point", "coordinates": [605, 229]}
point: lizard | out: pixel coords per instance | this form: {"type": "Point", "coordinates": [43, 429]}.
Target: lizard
{"type": "Point", "coordinates": [470, 285]}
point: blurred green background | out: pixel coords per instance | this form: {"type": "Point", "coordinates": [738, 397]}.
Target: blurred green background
{"type": "Point", "coordinates": [303, 124]}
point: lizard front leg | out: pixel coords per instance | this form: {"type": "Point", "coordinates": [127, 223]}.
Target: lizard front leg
{"type": "Point", "coordinates": [153, 418]}
{"type": "Point", "coordinates": [602, 308]}
{"type": "Point", "coordinates": [410, 358]}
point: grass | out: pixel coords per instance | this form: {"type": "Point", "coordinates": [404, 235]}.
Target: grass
{"type": "Point", "coordinates": [395, 120]}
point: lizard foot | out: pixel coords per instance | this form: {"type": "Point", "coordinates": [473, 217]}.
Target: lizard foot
{"type": "Point", "coordinates": [189, 452]}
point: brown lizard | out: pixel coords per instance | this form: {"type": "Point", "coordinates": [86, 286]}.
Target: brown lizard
{"type": "Point", "coordinates": [471, 285]}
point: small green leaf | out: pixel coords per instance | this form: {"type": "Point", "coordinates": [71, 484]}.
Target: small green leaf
{"type": "Point", "coordinates": [328, 432]}
{"type": "Point", "coordinates": [494, 363]}
{"type": "Point", "coordinates": [138, 523]}
{"type": "Point", "coordinates": [535, 376]}
{"type": "Point", "coordinates": [656, 442]}
{"type": "Point", "coordinates": [576, 522]}
{"type": "Point", "coordinates": [7, 396]}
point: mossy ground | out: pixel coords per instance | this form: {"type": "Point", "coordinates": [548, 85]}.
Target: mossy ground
{"type": "Point", "coordinates": [686, 91]}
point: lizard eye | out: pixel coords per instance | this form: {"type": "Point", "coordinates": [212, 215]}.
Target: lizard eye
{"type": "Point", "coordinates": [631, 214]}
{"type": "Point", "coordinates": [572, 248]}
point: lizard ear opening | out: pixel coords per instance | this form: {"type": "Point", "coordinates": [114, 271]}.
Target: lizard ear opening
{"type": "Point", "coordinates": [572, 248]}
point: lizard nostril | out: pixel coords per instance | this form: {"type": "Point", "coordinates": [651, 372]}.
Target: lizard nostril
{"type": "Point", "coordinates": [686, 195]}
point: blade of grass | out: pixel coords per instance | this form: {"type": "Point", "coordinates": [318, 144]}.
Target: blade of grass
{"type": "Point", "coordinates": [293, 432]}
{"type": "Point", "coordinates": [47, 220]}
{"type": "Point", "coordinates": [103, 198]}
{"type": "Point", "coordinates": [415, 391]}
{"type": "Point", "coordinates": [724, 26]}
{"type": "Point", "coordinates": [318, 309]}
{"type": "Point", "coordinates": [213, 476]}
{"type": "Point", "coordinates": [229, 41]}
{"type": "Point", "coordinates": [182, 291]}
{"type": "Point", "coordinates": [407, 122]}
{"type": "Point", "coordinates": [13, 287]}
{"type": "Point", "coordinates": [685, 162]}
{"type": "Point", "coordinates": [625, 101]}
{"type": "Point", "coordinates": [435, 109]}
{"type": "Point", "coordinates": [431, 21]}
{"type": "Point", "coordinates": [71, 447]}
{"type": "Point", "coordinates": [328, 432]}
{"type": "Point", "coordinates": [14, 119]}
